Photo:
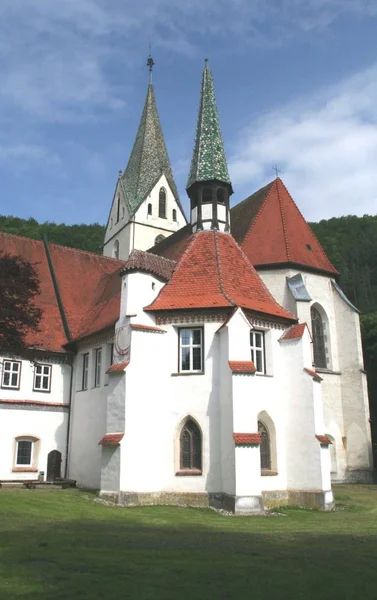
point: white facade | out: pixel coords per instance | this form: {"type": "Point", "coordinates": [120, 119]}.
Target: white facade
{"type": "Point", "coordinates": [124, 233]}
{"type": "Point", "coordinates": [34, 422]}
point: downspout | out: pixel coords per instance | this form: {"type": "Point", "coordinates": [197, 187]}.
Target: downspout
{"type": "Point", "coordinates": [68, 336]}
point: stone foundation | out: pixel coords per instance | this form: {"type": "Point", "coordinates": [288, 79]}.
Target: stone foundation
{"type": "Point", "coordinates": [242, 505]}
{"type": "Point", "coordinates": [360, 476]}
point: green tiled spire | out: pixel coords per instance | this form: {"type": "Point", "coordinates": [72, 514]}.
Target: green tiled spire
{"type": "Point", "coordinates": [208, 160]}
{"type": "Point", "coordinates": [149, 158]}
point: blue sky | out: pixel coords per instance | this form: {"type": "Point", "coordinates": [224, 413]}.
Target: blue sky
{"type": "Point", "coordinates": [296, 85]}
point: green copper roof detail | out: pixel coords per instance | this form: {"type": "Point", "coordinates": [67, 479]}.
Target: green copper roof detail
{"type": "Point", "coordinates": [148, 160]}
{"type": "Point", "coordinates": [208, 160]}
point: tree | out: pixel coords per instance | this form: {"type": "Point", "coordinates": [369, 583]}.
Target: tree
{"type": "Point", "coordinates": [19, 284]}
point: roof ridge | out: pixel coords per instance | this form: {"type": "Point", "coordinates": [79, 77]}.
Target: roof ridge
{"type": "Point", "coordinates": [218, 262]}
{"type": "Point", "coordinates": [286, 243]}
{"type": "Point", "coordinates": [22, 237]}
{"type": "Point", "coordinates": [135, 250]}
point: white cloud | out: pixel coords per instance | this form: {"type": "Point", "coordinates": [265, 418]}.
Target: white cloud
{"type": "Point", "coordinates": [326, 147]}
{"type": "Point", "coordinates": [57, 54]}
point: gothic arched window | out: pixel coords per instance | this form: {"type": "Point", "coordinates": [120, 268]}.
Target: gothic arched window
{"type": "Point", "coordinates": [190, 447]}
{"type": "Point", "coordinates": [116, 249]}
{"type": "Point", "coordinates": [319, 347]}
{"type": "Point", "coordinates": [265, 448]}
{"type": "Point", "coordinates": [149, 209]}
{"type": "Point", "coordinates": [162, 203]}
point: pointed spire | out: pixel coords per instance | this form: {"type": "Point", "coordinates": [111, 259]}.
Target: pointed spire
{"type": "Point", "coordinates": [208, 160]}
{"type": "Point", "coordinates": [149, 158]}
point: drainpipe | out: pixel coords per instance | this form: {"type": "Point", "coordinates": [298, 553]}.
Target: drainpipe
{"type": "Point", "coordinates": [68, 424]}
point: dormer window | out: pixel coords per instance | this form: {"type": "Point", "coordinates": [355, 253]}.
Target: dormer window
{"type": "Point", "coordinates": [162, 204]}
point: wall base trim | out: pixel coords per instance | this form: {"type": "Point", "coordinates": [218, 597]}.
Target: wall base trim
{"type": "Point", "coordinates": [319, 499]}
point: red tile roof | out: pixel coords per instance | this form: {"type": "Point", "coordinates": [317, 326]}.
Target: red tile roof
{"type": "Point", "coordinates": [277, 232]}
{"type": "Point", "coordinates": [174, 245]}
{"type": "Point", "coordinates": [295, 332]}
{"type": "Point", "coordinates": [149, 263]}
{"type": "Point", "coordinates": [213, 272]}
{"type": "Point", "coordinates": [147, 328]}
{"type": "Point", "coordinates": [245, 367]}
{"type": "Point", "coordinates": [323, 439]}
{"type": "Point", "coordinates": [118, 367]}
{"type": "Point", "coordinates": [111, 439]}
{"type": "Point", "coordinates": [313, 374]}
{"type": "Point", "coordinates": [246, 439]}
{"type": "Point", "coordinates": [89, 286]}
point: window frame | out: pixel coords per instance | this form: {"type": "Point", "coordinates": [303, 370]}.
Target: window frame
{"type": "Point", "coordinates": [191, 346]}
{"type": "Point", "coordinates": [97, 367]}
{"type": "Point", "coordinates": [265, 435]}
{"type": "Point", "coordinates": [32, 450]}
{"type": "Point", "coordinates": [254, 349]}
{"type": "Point", "coordinates": [11, 372]}
{"type": "Point", "coordinates": [174, 215]}
{"type": "Point", "coordinates": [196, 453]}
{"type": "Point", "coordinates": [320, 353]}
{"type": "Point", "coordinates": [85, 371]}
{"type": "Point", "coordinates": [118, 209]}
{"type": "Point", "coordinates": [42, 375]}
{"type": "Point", "coordinates": [162, 203]}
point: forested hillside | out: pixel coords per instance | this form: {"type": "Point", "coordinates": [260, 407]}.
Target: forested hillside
{"type": "Point", "coordinates": [85, 237]}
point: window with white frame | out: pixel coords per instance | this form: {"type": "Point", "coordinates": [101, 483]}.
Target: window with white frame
{"type": "Point", "coordinates": [42, 378]}
{"type": "Point", "coordinates": [11, 374]}
{"type": "Point", "coordinates": [191, 349]}
{"type": "Point", "coordinates": [97, 367]}
{"type": "Point", "coordinates": [24, 452]}
{"type": "Point", "coordinates": [257, 350]}
{"type": "Point", "coordinates": [85, 371]}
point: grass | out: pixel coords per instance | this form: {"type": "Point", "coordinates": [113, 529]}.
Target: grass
{"type": "Point", "coordinates": [64, 545]}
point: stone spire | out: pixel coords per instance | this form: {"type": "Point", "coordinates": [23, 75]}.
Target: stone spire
{"type": "Point", "coordinates": [148, 160]}
{"type": "Point", "coordinates": [208, 160]}
{"type": "Point", "coordinates": [208, 185]}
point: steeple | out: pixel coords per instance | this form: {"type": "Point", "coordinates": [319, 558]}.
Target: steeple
{"type": "Point", "coordinates": [149, 158]}
{"type": "Point", "coordinates": [208, 184]}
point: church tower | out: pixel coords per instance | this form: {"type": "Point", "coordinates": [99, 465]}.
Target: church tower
{"type": "Point", "coordinates": [146, 206]}
{"type": "Point", "coordinates": [208, 186]}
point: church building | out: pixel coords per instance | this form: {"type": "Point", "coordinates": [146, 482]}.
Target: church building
{"type": "Point", "coordinates": [214, 362]}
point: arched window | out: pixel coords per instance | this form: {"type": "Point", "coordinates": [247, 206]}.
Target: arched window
{"type": "Point", "coordinates": [207, 196]}
{"type": "Point", "coordinates": [116, 249]}
{"type": "Point", "coordinates": [159, 238]}
{"type": "Point", "coordinates": [265, 448]}
{"type": "Point", "coordinates": [319, 347]}
{"type": "Point", "coordinates": [221, 195]}
{"type": "Point", "coordinates": [190, 447]}
{"type": "Point", "coordinates": [149, 209]}
{"type": "Point", "coordinates": [174, 214]}
{"type": "Point", "coordinates": [162, 203]}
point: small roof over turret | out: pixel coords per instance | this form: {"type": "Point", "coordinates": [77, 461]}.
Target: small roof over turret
{"type": "Point", "coordinates": [148, 160]}
{"type": "Point", "coordinates": [208, 161]}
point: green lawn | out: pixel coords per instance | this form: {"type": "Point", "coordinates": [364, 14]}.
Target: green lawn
{"type": "Point", "coordinates": [63, 544]}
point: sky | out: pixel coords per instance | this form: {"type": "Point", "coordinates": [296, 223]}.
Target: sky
{"type": "Point", "coordinates": [295, 80]}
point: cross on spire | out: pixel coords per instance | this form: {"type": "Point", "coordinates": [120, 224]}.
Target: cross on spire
{"type": "Point", "coordinates": [150, 64]}
{"type": "Point", "coordinates": [277, 171]}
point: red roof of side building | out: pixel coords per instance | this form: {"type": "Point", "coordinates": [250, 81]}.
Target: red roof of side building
{"type": "Point", "coordinates": [271, 230]}
{"type": "Point", "coordinates": [111, 439]}
{"type": "Point", "coordinates": [213, 272]}
{"type": "Point", "coordinates": [118, 367]}
{"type": "Point", "coordinates": [242, 367]}
{"type": "Point", "coordinates": [294, 333]}
{"type": "Point", "coordinates": [246, 439]}
{"type": "Point", "coordinates": [89, 286]}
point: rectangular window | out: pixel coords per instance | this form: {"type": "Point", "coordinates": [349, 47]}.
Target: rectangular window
{"type": "Point", "coordinates": [85, 369]}
{"type": "Point", "coordinates": [11, 374]}
{"type": "Point", "coordinates": [42, 378]}
{"type": "Point", "coordinates": [24, 453]}
{"type": "Point", "coordinates": [97, 367]}
{"type": "Point", "coordinates": [257, 350]}
{"type": "Point", "coordinates": [191, 350]}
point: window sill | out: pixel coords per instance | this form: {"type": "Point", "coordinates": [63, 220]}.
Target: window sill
{"type": "Point", "coordinates": [185, 374]}
{"type": "Point", "coordinates": [42, 391]}
{"type": "Point", "coordinates": [10, 387]}
{"type": "Point", "coordinates": [268, 473]}
{"type": "Point", "coordinates": [263, 375]}
{"type": "Point", "coordinates": [24, 470]}
{"type": "Point", "coordinates": [188, 472]}
{"type": "Point", "coordinates": [326, 371]}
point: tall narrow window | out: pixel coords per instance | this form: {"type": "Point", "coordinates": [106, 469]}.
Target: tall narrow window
{"type": "Point", "coordinates": [118, 208]}
{"type": "Point", "coordinates": [265, 450]}
{"type": "Point", "coordinates": [191, 350]}
{"type": "Point", "coordinates": [24, 453]}
{"type": "Point", "coordinates": [11, 374]}
{"type": "Point", "coordinates": [42, 378]}
{"type": "Point", "coordinates": [174, 214]}
{"type": "Point", "coordinates": [319, 348]}
{"type": "Point", "coordinates": [257, 350]}
{"type": "Point", "coordinates": [220, 195]}
{"type": "Point", "coordinates": [207, 196]}
{"type": "Point", "coordinates": [149, 209]}
{"type": "Point", "coordinates": [97, 367]}
{"type": "Point", "coordinates": [85, 369]}
{"type": "Point", "coordinates": [190, 443]}
{"type": "Point", "coordinates": [162, 203]}
{"type": "Point", "coordinates": [116, 249]}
